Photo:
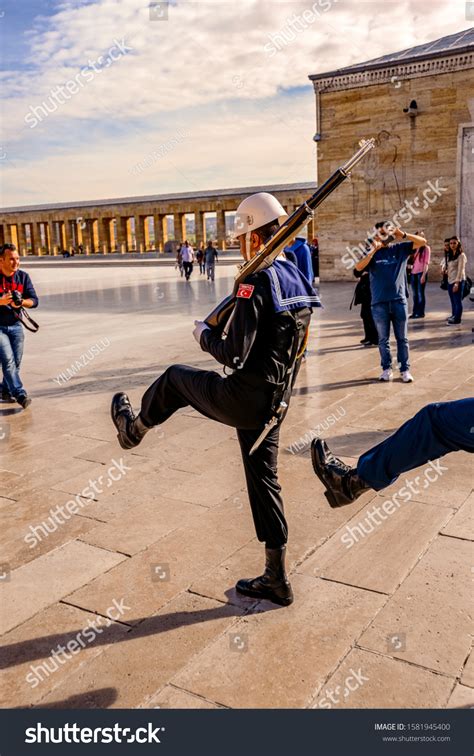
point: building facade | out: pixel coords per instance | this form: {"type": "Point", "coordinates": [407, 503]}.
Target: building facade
{"type": "Point", "coordinates": [418, 104]}
{"type": "Point", "coordinates": [133, 224]}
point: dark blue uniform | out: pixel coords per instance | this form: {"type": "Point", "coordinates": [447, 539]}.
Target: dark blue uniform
{"type": "Point", "coordinates": [270, 318]}
{"type": "Point", "coordinates": [434, 431]}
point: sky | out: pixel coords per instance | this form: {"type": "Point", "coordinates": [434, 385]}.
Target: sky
{"type": "Point", "coordinates": [113, 98]}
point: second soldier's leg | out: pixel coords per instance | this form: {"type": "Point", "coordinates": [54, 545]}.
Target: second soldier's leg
{"type": "Point", "coordinates": [434, 431]}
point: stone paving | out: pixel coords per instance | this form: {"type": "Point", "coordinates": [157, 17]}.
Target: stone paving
{"type": "Point", "coordinates": [124, 597]}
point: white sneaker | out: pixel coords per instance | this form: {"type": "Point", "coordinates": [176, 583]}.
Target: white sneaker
{"type": "Point", "coordinates": [387, 375]}
{"type": "Point", "coordinates": [407, 377]}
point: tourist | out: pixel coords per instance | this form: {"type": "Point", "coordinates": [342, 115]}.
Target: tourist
{"type": "Point", "coordinates": [434, 431]}
{"type": "Point", "coordinates": [264, 337]}
{"type": "Point", "coordinates": [210, 259]}
{"type": "Point", "coordinates": [386, 263]}
{"type": "Point", "coordinates": [314, 248]}
{"type": "Point", "coordinates": [179, 262]}
{"type": "Point", "coordinates": [454, 267]}
{"type": "Point", "coordinates": [200, 258]}
{"type": "Point", "coordinates": [302, 252]}
{"type": "Point", "coordinates": [11, 330]}
{"type": "Point", "coordinates": [187, 256]}
{"type": "Point", "coordinates": [363, 297]}
{"type": "Point", "coordinates": [419, 277]}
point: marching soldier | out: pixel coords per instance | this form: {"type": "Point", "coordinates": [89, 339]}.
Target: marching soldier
{"type": "Point", "coordinates": [437, 429]}
{"type": "Point", "coordinates": [265, 340]}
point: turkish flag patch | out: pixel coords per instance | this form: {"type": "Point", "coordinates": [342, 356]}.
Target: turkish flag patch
{"type": "Point", "coordinates": [245, 291]}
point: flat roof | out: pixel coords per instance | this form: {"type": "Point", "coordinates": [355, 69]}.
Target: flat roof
{"type": "Point", "coordinates": [211, 193]}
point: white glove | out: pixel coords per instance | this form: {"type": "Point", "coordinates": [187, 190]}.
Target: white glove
{"type": "Point", "coordinates": [199, 330]}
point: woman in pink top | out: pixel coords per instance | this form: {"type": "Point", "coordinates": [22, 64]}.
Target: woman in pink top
{"type": "Point", "coordinates": [419, 276]}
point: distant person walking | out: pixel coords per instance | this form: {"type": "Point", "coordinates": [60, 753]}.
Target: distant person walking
{"type": "Point", "coordinates": [210, 258]}
{"type": "Point", "coordinates": [455, 267]}
{"type": "Point", "coordinates": [187, 254]}
{"type": "Point", "coordinates": [419, 277]}
{"type": "Point", "coordinates": [179, 262]}
{"type": "Point", "coordinates": [200, 258]}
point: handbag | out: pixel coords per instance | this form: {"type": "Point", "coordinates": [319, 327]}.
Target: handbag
{"type": "Point", "coordinates": [467, 287]}
{"type": "Point", "coordinates": [444, 281]}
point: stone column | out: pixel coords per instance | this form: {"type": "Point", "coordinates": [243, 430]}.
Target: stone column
{"type": "Point", "coordinates": [7, 233]}
{"type": "Point", "coordinates": [48, 243]}
{"type": "Point", "coordinates": [37, 238]}
{"type": "Point", "coordinates": [220, 224]}
{"type": "Point", "coordinates": [139, 233]}
{"type": "Point", "coordinates": [86, 235]}
{"type": "Point", "coordinates": [105, 241]}
{"type": "Point", "coordinates": [146, 232]}
{"type": "Point", "coordinates": [122, 240]}
{"type": "Point", "coordinates": [32, 237]}
{"type": "Point", "coordinates": [22, 239]}
{"type": "Point", "coordinates": [68, 239]}
{"type": "Point", "coordinates": [200, 227]}
{"type": "Point", "coordinates": [179, 227]}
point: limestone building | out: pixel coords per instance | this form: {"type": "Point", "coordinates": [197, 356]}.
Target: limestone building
{"type": "Point", "coordinates": [419, 106]}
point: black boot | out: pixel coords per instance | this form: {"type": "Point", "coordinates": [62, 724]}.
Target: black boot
{"type": "Point", "coordinates": [131, 427]}
{"type": "Point", "coordinates": [343, 485]}
{"type": "Point", "coordinates": [6, 396]}
{"type": "Point", "coordinates": [273, 585]}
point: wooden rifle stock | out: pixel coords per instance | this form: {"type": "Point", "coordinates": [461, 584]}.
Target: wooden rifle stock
{"type": "Point", "coordinates": [288, 230]}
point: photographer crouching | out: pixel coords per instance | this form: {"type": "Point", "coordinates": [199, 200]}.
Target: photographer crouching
{"type": "Point", "coordinates": [16, 291]}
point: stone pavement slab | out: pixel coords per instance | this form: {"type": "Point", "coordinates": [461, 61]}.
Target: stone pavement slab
{"type": "Point", "coordinates": [49, 578]}
{"type": "Point", "coordinates": [428, 620]}
{"type": "Point", "coordinates": [462, 524]}
{"type": "Point", "coordinates": [36, 657]}
{"type": "Point", "coordinates": [152, 577]}
{"type": "Point", "coordinates": [461, 698]}
{"type": "Point", "coordinates": [145, 660]}
{"type": "Point", "coordinates": [361, 683]}
{"type": "Point", "coordinates": [237, 670]}
{"type": "Point", "coordinates": [371, 552]}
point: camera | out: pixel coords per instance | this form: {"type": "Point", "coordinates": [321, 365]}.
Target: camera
{"type": "Point", "coordinates": [17, 298]}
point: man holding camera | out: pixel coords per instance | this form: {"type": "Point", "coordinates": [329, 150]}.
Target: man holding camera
{"type": "Point", "coordinates": [16, 291]}
{"type": "Point", "coordinates": [387, 265]}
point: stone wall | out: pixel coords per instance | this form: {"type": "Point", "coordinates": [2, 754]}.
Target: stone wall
{"type": "Point", "coordinates": [411, 152]}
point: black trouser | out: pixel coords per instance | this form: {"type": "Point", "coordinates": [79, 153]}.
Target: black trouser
{"type": "Point", "coordinates": [188, 269]}
{"type": "Point", "coordinates": [243, 405]}
{"type": "Point", "coordinates": [370, 330]}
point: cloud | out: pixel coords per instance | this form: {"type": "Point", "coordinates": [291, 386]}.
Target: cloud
{"type": "Point", "coordinates": [207, 68]}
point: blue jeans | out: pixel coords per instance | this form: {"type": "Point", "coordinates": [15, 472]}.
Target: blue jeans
{"type": "Point", "coordinates": [418, 290]}
{"type": "Point", "coordinates": [456, 301]}
{"type": "Point", "coordinates": [395, 312]}
{"type": "Point", "coordinates": [434, 431]}
{"type": "Point", "coordinates": [11, 352]}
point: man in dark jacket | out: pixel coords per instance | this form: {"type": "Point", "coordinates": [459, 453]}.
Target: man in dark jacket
{"type": "Point", "coordinates": [264, 344]}
{"type": "Point", "coordinates": [16, 291]}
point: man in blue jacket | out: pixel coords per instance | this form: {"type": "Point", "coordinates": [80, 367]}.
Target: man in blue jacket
{"type": "Point", "coordinates": [387, 267]}
{"type": "Point", "coordinates": [302, 252]}
{"type": "Point", "coordinates": [16, 291]}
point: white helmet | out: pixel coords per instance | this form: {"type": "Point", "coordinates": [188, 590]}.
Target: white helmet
{"type": "Point", "coordinates": [256, 211]}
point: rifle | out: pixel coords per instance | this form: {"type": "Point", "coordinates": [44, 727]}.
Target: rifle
{"type": "Point", "coordinates": [289, 229]}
